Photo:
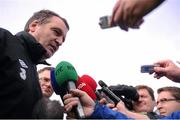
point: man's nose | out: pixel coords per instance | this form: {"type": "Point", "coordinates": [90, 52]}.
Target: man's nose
{"type": "Point", "coordinates": [59, 41]}
{"type": "Point", "coordinates": [158, 105]}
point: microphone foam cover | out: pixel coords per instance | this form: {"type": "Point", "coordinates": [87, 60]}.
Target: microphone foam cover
{"type": "Point", "coordinates": [82, 85]}
{"type": "Point", "coordinates": [64, 72]}
{"type": "Point", "coordinates": [90, 81]}
{"type": "Point", "coordinates": [57, 89]}
{"type": "Point", "coordinates": [54, 83]}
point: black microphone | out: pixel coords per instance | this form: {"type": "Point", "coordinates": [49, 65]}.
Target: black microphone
{"type": "Point", "coordinates": [108, 92]}
{"type": "Point", "coordinates": [129, 92]}
{"type": "Point", "coordinates": [100, 94]}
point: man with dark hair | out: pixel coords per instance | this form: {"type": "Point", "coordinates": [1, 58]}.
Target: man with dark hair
{"type": "Point", "coordinates": [44, 32]}
{"type": "Point", "coordinates": [143, 108]}
{"type": "Point", "coordinates": [146, 102]}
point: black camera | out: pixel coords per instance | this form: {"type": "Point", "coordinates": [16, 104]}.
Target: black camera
{"type": "Point", "coordinates": [126, 93]}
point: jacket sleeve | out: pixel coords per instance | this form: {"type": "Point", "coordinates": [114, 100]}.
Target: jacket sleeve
{"type": "Point", "coordinates": [174, 115]}
{"type": "Point", "coordinates": [5, 36]}
{"type": "Point", "coordinates": [103, 112]}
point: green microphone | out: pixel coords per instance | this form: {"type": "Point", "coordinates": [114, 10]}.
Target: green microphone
{"type": "Point", "coordinates": [66, 76]}
{"type": "Point", "coordinates": [65, 72]}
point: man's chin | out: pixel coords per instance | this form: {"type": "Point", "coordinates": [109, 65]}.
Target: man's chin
{"type": "Point", "coordinates": [48, 55]}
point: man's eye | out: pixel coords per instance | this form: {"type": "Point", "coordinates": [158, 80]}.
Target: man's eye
{"type": "Point", "coordinates": [47, 80]}
{"type": "Point", "coordinates": [57, 32]}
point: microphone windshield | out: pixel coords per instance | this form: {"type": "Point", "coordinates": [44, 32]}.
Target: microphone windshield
{"type": "Point", "coordinates": [64, 72]}
{"type": "Point", "coordinates": [129, 92]}
{"type": "Point", "coordinates": [83, 84]}
{"type": "Point", "coordinates": [90, 81]}
{"type": "Point", "coordinates": [53, 82]}
{"type": "Point", "coordinates": [57, 89]}
{"type": "Point", "coordinates": [102, 84]}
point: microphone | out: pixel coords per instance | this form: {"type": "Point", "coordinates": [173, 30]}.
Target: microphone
{"type": "Point", "coordinates": [88, 85]}
{"type": "Point", "coordinates": [114, 97]}
{"type": "Point", "coordinates": [129, 92]}
{"type": "Point", "coordinates": [108, 92]}
{"type": "Point", "coordinates": [64, 77]}
{"type": "Point", "coordinates": [100, 94]}
{"type": "Point", "coordinates": [90, 81]}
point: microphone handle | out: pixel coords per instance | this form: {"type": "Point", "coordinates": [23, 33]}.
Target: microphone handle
{"type": "Point", "coordinates": [79, 109]}
{"type": "Point", "coordinates": [98, 95]}
{"type": "Point", "coordinates": [107, 98]}
{"type": "Point", "coordinates": [111, 95]}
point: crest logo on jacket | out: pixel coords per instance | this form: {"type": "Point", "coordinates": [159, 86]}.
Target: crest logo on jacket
{"type": "Point", "coordinates": [23, 70]}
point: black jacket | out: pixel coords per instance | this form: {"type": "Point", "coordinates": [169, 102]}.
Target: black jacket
{"type": "Point", "coordinates": [19, 86]}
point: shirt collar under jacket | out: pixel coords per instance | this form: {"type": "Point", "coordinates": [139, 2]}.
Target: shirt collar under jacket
{"type": "Point", "coordinates": [35, 50]}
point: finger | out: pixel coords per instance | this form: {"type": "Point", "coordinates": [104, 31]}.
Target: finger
{"type": "Point", "coordinates": [117, 18]}
{"type": "Point", "coordinates": [110, 105]}
{"type": "Point", "coordinates": [115, 109]}
{"type": "Point", "coordinates": [158, 75]}
{"type": "Point", "coordinates": [136, 25]}
{"type": "Point", "coordinates": [67, 101]}
{"type": "Point", "coordinates": [126, 16]}
{"type": "Point", "coordinates": [68, 107]}
{"type": "Point", "coordinates": [103, 101]}
{"type": "Point", "coordinates": [116, 7]}
{"type": "Point", "coordinates": [67, 96]}
{"type": "Point", "coordinates": [159, 70]}
{"type": "Point", "coordinates": [121, 17]}
{"type": "Point", "coordinates": [77, 92]}
{"type": "Point", "coordinates": [134, 22]}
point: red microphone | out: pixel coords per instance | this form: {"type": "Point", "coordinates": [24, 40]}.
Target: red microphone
{"type": "Point", "coordinates": [90, 81]}
{"type": "Point", "coordinates": [88, 85]}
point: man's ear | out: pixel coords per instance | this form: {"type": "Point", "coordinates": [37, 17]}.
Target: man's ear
{"type": "Point", "coordinates": [33, 26]}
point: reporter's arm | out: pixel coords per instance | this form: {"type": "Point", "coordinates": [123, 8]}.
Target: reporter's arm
{"type": "Point", "coordinates": [121, 108]}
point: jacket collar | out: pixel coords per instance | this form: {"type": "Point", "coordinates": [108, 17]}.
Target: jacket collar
{"type": "Point", "coordinates": [35, 50]}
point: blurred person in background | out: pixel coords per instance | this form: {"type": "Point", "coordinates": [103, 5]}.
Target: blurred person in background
{"type": "Point", "coordinates": [168, 100]}
{"type": "Point", "coordinates": [45, 81]}
{"type": "Point", "coordinates": [93, 110]}
{"type": "Point", "coordinates": [144, 107]}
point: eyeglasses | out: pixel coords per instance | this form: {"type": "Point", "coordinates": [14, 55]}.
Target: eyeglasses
{"type": "Point", "coordinates": [164, 100]}
{"type": "Point", "coordinates": [44, 79]}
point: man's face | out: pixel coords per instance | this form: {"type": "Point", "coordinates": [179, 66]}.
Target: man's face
{"type": "Point", "coordinates": [45, 83]}
{"type": "Point", "coordinates": [145, 102]}
{"type": "Point", "coordinates": [166, 103]}
{"type": "Point", "coordinates": [50, 35]}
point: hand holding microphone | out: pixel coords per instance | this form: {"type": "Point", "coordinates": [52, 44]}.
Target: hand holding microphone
{"type": "Point", "coordinates": [87, 84]}
{"type": "Point", "coordinates": [64, 77]}
{"type": "Point", "coordinates": [86, 101]}
{"type": "Point", "coordinates": [108, 92]}
{"type": "Point", "coordinates": [116, 99]}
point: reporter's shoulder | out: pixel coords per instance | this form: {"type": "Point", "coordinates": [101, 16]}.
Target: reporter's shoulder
{"type": "Point", "coordinates": [5, 31]}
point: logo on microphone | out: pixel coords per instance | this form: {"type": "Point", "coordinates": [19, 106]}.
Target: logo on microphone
{"type": "Point", "coordinates": [80, 86]}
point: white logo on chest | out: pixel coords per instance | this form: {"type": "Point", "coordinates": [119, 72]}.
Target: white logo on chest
{"type": "Point", "coordinates": [23, 71]}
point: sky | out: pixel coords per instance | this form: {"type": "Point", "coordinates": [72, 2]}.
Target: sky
{"type": "Point", "coordinates": [111, 55]}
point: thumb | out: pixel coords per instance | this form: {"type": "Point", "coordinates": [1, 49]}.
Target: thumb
{"type": "Point", "coordinates": [159, 69]}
